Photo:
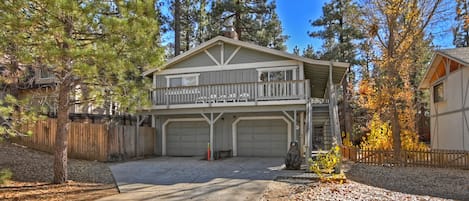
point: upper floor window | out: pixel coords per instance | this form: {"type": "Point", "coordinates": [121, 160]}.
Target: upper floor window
{"type": "Point", "coordinates": [438, 93]}
{"type": "Point", "coordinates": [277, 74]}
{"type": "Point", "coordinates": [182, 80]}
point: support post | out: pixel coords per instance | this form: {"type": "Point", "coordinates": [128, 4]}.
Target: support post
{"type": "Point", "coordinates": [309, 130]}
{"type": "Point", "coordinates": [211, 121]}
{"type": "Point", "coordinates": [302, 133]}
{"type": "Point", "coordinates": [211, 136]}
{"type": "Point", "coordinates": [295, 125]}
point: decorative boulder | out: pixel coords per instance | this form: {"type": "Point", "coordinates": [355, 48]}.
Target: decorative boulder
{"type": "Point", "coordinates": [293, 160]}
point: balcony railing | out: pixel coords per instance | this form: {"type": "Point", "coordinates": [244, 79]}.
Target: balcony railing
{"type": "Point", "coordinates": [232, 93]}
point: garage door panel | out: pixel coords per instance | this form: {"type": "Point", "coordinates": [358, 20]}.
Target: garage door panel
{"type": "Point", "coordinates": [187, 138]}
{"type": "Point", "coordinates": [262, 138]}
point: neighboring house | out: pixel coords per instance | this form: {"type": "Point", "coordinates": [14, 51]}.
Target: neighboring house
{"type": "Point", "coordinates": [242, 97]}
{"type": "Point", "coordinates": [447, 77]}
{"type": "Point", "coordinates": [39, 84]}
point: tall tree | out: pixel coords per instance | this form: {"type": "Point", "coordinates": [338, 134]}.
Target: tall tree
{"type": "Point", "coordinates": [177, 27]}
{"type": "Point", "coordinates": [254, 21]}
{"type": "Point", "coordinates": [395, 28]}
{"type": "Point", "coordinates": [104, 45]}
{"type": "Point", "coordinates": [340, 37]}
{"type": "Point", "coordinates": [309, 52]}
{"type": "Point", "coordinates": [461, 30]}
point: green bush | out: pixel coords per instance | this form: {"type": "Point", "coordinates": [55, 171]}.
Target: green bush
{"type": "Point", "coordinates": [5, 175]}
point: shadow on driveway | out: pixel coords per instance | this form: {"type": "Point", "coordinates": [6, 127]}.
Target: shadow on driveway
{"type": "Point", "coordinates": [182, 178]}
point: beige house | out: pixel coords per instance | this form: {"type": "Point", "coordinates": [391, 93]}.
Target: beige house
{"type": "Point", "coordinates": [447, 78]}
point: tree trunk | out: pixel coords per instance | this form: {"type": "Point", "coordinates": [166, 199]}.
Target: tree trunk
{"type": "Point", "coordinates": [396, 134]}
{"type": "Point", "coordinates": [177, 27]}
{"type": "Point", "coordinates": [188, 38]}
{"type": "Point", "coordinates": [64, 87]}
{"type": "Point", "coordinates": [237, 23]}
{"type": "Point", "coordinates": [346, 108]}
{"type": "Point", "coordinates": [61, 139]}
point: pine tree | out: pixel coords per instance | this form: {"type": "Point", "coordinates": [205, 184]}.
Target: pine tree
{"type": "Point", "coordinates": [104, 45]}
{"type": "Point", "coordinates": [340, 35]}
{"type": "Point", "coordinates": [308, 52]}
{"type": "Point", "coordinates": [253, 21]}
{"type": "Point", "coordinates": [296, 50]}
{"type": "Point", "coordinates": [177, 27]}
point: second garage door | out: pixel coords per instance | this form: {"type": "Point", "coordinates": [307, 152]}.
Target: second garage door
{"type": "Point", "coordinates": [187, 138]}
{"type": "Point", "coordinates": [262, 138]}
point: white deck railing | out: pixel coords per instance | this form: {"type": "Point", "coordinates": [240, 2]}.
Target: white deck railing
{"type": "Point", "coordinates": [232, 92]}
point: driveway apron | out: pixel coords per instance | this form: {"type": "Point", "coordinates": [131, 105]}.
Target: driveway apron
{"type": "Point", "coordinates": [189, 178]}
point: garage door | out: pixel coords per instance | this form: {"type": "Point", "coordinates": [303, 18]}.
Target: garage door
{"type": "Point", "coordinates": [187, 138]}
{"type": "Point", "coordinates": [262, 138]}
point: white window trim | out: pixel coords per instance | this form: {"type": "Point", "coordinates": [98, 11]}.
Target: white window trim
{"type": "Point", "coordinates": [274, 69]}
{"type": "Point", "coordinates": [196, 75]}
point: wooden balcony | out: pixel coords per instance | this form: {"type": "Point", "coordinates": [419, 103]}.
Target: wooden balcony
{"type": "Point", "coordinates": [232, 93]}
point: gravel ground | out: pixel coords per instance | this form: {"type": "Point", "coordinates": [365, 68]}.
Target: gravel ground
{"type": "Point", "coordinates": [32, 174]}
{"type": "Point", "coordinates": [380, 183]}
{"type": "Point", "coordinates": [29, 165]}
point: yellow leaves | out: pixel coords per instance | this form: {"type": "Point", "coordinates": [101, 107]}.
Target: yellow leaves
{"type": "Point", "coordinates": [380, 136]}
{"type": "Point", "coordinates": [326, 162]}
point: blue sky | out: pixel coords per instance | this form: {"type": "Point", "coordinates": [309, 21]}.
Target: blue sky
{"type": "Point", "coordinates": [295, 16]}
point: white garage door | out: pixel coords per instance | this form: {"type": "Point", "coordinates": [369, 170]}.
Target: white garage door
{"type": "Point", "coordinates": [187, 138]}
{"type": "Point", "coordinates": [262, 138]}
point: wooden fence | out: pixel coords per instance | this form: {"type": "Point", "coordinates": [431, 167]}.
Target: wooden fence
{"type": "Point", "coordinates": [426, 158]}
{"type": "Point", "coordinates": [93, 141]}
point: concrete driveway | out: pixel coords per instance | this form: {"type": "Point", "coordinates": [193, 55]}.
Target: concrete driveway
{"type": "Point", "coordinates": [187, 178]}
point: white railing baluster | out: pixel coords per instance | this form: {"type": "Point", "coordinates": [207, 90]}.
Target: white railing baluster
{"type": "Point", "coordinates": [234, 92]}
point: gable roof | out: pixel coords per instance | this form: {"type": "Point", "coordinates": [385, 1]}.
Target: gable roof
{"type": "Point", "coordinates": [243, 44]}
{"type": "Point", "coordinates": [460, 55]}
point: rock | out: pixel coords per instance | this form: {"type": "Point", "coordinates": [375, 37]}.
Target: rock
{"type": "Point", "coordinates": [293, 160]}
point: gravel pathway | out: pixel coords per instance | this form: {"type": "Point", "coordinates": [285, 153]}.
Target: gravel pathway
{"type": "Point", "coordinates": [380, 183]}
{"type": "Point", "coordinates": [30, 165]}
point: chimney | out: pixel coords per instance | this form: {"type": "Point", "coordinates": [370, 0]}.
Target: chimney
{"type": "Point", "coordinates": [229, 31]}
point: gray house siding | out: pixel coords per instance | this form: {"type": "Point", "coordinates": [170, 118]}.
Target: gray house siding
{"type": "Point", "coordinates": [244, 55]}
{"type": "Point", "coordinates": [229, 49]}
{"type": "Point", "coordinates": [218, 77]}
{"type": "Point", "coordinates": [249, 56]}
{"type": "Point", "coordinates": [215, 52]}
{"type": "Point", "coordinates": [198, 60]}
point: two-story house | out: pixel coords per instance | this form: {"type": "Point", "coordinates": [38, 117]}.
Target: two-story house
{"type": "Point", "coordinates": [251, 100]}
